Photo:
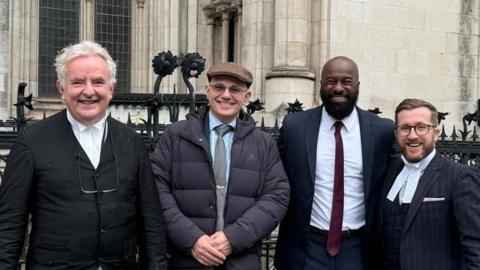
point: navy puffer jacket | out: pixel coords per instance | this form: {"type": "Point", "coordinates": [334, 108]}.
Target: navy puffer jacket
{"type": "Point", "coordinates": [257, 192]}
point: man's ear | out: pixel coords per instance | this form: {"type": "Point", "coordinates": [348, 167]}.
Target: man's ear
{"type": "Point", "coordinates": [436, 133]}
{"type": "Point", "coordinates": [112, 89]}
{"type": "Point", "coordinates": [59, 87]}
{"type": "Point", "coordinates": [248, 95]}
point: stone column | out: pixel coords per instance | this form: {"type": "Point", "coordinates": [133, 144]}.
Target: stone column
{"type": "Point", "coordinates": [257, 43]}
{"type": "Point", "coordinates": [210, 36]}
{"type": "Point", "coordinates": [140, 58]}
{"type": "Point", "coordinates": [238, 30]}
{"type": "Point", "coordinates": [163, 35]}
{"type": "Point", "coordinates": [87, 20]}
{"type": "Point", "coordinates": [4, 54]}
{"type": "Point", "coordinates": [225, 11]}
{"type": "Point", "coordinates": [320, 40]}
{"type": "Point", "coordinates": [23, 20]}
{"type": "Point", "coordinates": [291, 77]}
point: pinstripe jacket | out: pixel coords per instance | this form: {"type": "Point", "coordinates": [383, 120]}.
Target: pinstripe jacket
{"type": "Point", "coordinates": [442, 226]}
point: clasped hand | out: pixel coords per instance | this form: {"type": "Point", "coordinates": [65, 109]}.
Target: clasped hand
{"type": "Point", "coordinates": [212, 250]}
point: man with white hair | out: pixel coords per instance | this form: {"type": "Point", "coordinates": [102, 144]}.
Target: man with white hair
{"type": "Point", "coordinates": [84, 178]}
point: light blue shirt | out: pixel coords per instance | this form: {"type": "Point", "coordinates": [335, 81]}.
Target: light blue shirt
{"type": "Point", "coordinates": [227, 138]}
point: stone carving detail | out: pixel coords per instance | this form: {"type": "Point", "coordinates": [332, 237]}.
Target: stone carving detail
{"type": "Point", "coordinates": [140, 3]}
{"type": "Point", "coordinates": [222, 9]}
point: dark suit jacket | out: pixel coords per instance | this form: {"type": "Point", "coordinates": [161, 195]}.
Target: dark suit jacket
{"type": "Point", "coordinates": [70, 229]}
{"type": "Point", "coordinates": [298, 145]}
{"type": "Point", "coordinates": [439, 235]}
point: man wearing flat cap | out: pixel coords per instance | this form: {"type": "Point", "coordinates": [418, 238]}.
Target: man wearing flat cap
{"type": "Point", "coordinates": [221, 182]}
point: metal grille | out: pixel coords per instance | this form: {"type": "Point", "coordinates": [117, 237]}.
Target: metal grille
{"type": "Point", "coordinates": [58, 27]}
{"type": "Point", "coordinates": [112, 30]}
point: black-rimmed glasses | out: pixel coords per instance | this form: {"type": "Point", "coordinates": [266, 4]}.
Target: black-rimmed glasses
{"type": "Point", "coordinates": [420, 129]}
{"type": "Point", "coordinates": [96, 178]}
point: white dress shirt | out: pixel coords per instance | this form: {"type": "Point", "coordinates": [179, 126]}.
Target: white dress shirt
{"type": "Point", "coordinates": [354, 202]}
{"type": "Point", "coordinates": [407, 180]}
{"type": "Point", "coordinates": [90, 137]}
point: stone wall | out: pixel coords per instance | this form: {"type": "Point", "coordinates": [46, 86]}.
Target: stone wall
{"type": "Point", "coordinates": [404, 48]}
{"type": "Point", "coordinates": [4, 16]}
{"type": "Point", "coordinates": [408, 48]}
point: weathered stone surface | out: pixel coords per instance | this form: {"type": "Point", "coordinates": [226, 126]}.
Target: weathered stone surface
{"type": "Point", "coordinates": [404, 48]}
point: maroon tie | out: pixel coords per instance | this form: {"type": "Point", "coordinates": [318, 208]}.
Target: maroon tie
{"type": "Point", "coordinates": [335, 232]}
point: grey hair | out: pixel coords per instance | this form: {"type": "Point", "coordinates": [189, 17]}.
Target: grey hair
{"type": "Point", "coordinates": [83, 48]}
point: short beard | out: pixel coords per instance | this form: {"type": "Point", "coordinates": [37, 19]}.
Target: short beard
{"type": "Point", "coordinates": [339, 110]}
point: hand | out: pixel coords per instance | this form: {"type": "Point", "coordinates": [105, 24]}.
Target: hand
{"type": "Point", "coordinates": [204, 252]}
{"type": "Point", "coordinates": [220, 241]}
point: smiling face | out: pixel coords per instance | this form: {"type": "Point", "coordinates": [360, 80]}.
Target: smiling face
{"type": "Point", "coordinates": [226, 97]}
{"type": "Point", "coordinates": [339, 87]}
{"type": "Point", "coordinates": [87, 90]}
{"type": "Point", "coordinates": [413, 146]}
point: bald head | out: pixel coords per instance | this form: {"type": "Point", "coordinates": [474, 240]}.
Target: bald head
{"type": "Point", "coordinates": [344, 61]}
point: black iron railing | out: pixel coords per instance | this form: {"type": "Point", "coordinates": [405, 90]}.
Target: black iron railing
{"type": "Point", "coordinates": [461, 145]}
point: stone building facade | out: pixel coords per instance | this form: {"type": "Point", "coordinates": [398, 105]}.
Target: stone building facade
{"type": "Point", "coordinates": [404, 48]}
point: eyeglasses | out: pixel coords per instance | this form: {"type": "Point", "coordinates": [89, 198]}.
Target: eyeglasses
{"type": "Point", "coordinates": [420, 129]}
{"type": "Point", "coordinates": [220, 88]}
{"type": "Point", "coordinates": [95, 178]}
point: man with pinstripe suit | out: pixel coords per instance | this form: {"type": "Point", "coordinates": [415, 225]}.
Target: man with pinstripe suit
{"type": "Point", "coordinates": [429, 212]}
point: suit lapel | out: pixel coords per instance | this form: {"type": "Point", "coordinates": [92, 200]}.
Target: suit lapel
{"type": "Point", "coordinates": [311, 137]}
{"type": "Point", "coordinates": [394, 169]}
{"type": "Point", "coordinates": [367, 134]}
{"type": "Point", "coordinates": [66, 134]}
{"type": "Point", "coordinates": [430, 175]}
{"type": "Point", "coordinates": [111, 130]}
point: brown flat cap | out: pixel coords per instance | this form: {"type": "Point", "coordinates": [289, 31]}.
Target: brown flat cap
{"type": "Point", "coordinates": [231, 69]}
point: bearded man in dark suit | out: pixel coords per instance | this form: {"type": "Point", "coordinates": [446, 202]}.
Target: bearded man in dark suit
{"type": "Point", "coordinates": [335, 156]}
{"type": "Point", "coordinates": [429, 212]}
{"type": "Point", "coordinates": [84, 178]}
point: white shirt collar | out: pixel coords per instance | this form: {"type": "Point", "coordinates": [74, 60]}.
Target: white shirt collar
{"type": "Point", "coordinates": [406, 182]}
{"type": "Point", "coordinates": [349, 122]}
{"type": "Point", "coordinates": [76, 125]}
{"type": "Point", "coordinates": [422, 164]}
{"type": "Point", "coordinates": [90, 137]}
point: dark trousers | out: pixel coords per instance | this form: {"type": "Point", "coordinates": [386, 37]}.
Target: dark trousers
{"type": "Point", "coordinates": [349, 258]}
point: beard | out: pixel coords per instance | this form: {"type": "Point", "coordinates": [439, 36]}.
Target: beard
{"type": "Point", "coordinates": [339, 110]}
{"type": "Point", "coordinates": [427, 147]}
